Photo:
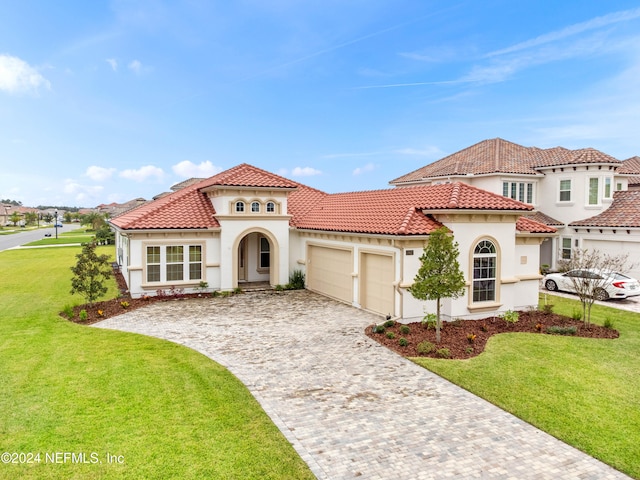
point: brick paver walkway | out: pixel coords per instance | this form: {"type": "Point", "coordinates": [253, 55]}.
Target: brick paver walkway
{"type": "Point", "coordinates": [351, 408]}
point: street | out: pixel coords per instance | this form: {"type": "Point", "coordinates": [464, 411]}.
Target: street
{"type": "Point", "coordinates": [16, 239]}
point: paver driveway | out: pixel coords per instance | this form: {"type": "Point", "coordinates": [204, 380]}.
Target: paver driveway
{"type": "Point", "coordinates": [351, 408]}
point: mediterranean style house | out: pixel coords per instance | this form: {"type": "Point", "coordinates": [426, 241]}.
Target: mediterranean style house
{"type": "Point", "coordinates": [248, 225]}
{"type": "Point", "coordinates": [591, 198]}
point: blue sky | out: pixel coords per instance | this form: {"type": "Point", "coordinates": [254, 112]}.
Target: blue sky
{"type": "Point", "coordinates": [107, 101]}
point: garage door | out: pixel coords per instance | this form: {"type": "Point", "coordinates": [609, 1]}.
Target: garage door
{"type": "Point", "coordinates": [329, 272]}
{"type": "Point", "coordinates": [376, 283]}
{"type": "Point", "coordinates": [618, 248]}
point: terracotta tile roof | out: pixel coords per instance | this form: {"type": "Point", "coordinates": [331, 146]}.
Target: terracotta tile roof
{"type": "Point", "coordinates": [245, 175]}
{"type": "Point", "coordinates": [186, 208]}
{"type": "Point", "coordinates": [631, 166]}
{"type": "Point", "coordinates": [399, 211]}
{"type": "Point", "coordinates": [527, 224]}
{"type": "Point", "coordinates": [190, 207]}
{"type": "Point", "coordinates": [500, 156]}
{"type": "Point", "coordinates": [545, 219]}
{"type": "Point", "coordinates": [624, 212]}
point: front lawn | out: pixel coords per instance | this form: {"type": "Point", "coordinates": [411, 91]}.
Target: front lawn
{"type": "Point", "coordinates": [153, 408]}
{"type": "Point", "coordinates": [585, 392]}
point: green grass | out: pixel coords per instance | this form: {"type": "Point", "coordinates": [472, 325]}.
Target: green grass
{"type": "Point", "coordinates": [585, 392]}
{"type": "Point", "coordinates": [78, 235]}
{"type": "Point", "coordinates": [168, 411]}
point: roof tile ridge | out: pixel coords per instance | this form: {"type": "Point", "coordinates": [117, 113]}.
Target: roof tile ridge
{"type": "Point", "coordinates": [406, 220]}
{"type": "Point", "coordinates": [496, 159]}
{"type": "Point", "coordinates": [454, 197]}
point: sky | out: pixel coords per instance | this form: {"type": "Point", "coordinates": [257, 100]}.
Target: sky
{"type": "Point", "coordinates": [106, 101]}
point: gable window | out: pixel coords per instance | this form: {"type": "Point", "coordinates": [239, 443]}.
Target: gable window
{"type": "Point", "coordinates": [255, 207]}
{"type": "Point", "coordinates": [484, 272]}
{"type": "Point", "coordinates": [521, 191]}
{"type": "Point", "coordinates": [565, 190]}
{"type": "Point", "coordinates": [618, 186]}
{"type": "Point", "coordinates": [239, 207]}
{"type": "Point", "coordinates": [264, 256]}
{"type": "Point", "coordinates": [594, 185]}
{"type": "Point", "coordinates": [271, 207]}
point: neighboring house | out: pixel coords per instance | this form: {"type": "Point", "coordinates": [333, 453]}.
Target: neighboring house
{"type": "Point", "coordinates": [114, 209]}
{"type": "Point", "coordinates": [564, 186]}
{"type": "Point", "coordinates": [249, 225]}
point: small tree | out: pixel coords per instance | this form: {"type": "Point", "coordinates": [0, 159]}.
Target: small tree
{"type": "Point", "coordinates": [439, 275]}
{"type": "Point", "coordinates": [15, 218]}
{"type": "Point", "coordinates": [589, 285]}
{"type": "Point", "coordinates": [90, 273]}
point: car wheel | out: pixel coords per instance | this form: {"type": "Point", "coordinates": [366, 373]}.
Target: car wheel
{"type": "Point", "coordinates": [600, 294]}
{"type": "Point", "coordinates": [551, 285]}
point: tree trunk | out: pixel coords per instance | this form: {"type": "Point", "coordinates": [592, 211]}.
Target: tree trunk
{"type": "Point", "coordinates": [438, 321]}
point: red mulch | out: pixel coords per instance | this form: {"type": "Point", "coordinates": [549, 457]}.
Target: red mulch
{"type": "Point", "coordinates": [454, 335]}
{"type": "Point", "coordinates": [109, 308]}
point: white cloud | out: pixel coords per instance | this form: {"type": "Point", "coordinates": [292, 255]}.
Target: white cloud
{"type": "Point", "coordinates": [114, 63]}
{"type": "Point", "coordinates": [305, 172]}
{"type": "Point", "coordinates": [143, 173]}
{"type": "Point", "coordinates": [595, 23]}
{"type": "Point", "coordinates": [99, 174]}
{"type": "Point", "coordinates": [17, 76]}
{"type": "Point", "coordinates": [189, 169]}
{"type": "Point", "coordinates": [81, 193]}
{"type": "Point", "coordinates": [135, 66]}
{"type": "Point", "coordinates": [369, 167]}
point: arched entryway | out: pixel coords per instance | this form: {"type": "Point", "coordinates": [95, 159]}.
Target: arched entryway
{"type": "Point", "coordinates": [256, 258]}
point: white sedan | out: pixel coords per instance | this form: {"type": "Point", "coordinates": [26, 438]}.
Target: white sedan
{"type": "Point", "coordinates": [607, 284]}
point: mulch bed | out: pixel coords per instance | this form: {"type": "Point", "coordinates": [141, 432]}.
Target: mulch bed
{"type": "Point", "coordinates": [117, 306]}
{"type": "Point", "coordinates": [455, 335]}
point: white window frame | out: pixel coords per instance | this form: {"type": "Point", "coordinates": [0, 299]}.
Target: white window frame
{"type": "Point", "coordinates": [271, 207]}
{"type": "Point", "coordinates": [482, 263]}
{"type": "Point", "coordinates": [565, 251]}
{"type": "Point", "coordinates": [561, 190]}
{"type": "Point", "coordinates": [255, 207]}
{"type": "Point", "coordinates": [239, 206]}
{"type": "Point", "coordinates": [607, 188]}
{"type": "Point", "coordinates": [519, 190]}
{"type": "Point", "coordinates": [189, 274]}
{"type": "Point", "coordinates": [589, 191]}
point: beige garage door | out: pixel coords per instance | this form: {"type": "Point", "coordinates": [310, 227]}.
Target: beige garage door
{"type": "Point", "coordinates": [329, 272]}
{"type": "Point", "coordinates": [618, 248]}
{"type": "Point", "coordinates": [376, 283]}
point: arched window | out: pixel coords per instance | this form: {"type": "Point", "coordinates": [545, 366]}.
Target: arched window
{"type": "Point", "coordinates": [255, 207]}
{"type": "Point", "coordinates": [271, 207]}
{"type": "Point", "coordinates": [239, 207]}
{"type": "Point", "coordinates": [484, 272]}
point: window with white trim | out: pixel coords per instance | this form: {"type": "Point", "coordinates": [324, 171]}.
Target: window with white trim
{"type": "Point", "coordinates": [485, 260]}
{"type": "Point", "coordinates": [594, 189]}
{"type": "Point", "coordinates": [271, 207]}
{"type": "Point", "coordinates": [168, 263]}
{"type": "Point", "coordinates": [607, 193]}
{"type": "Point", "coordinates": [566, 248]}
{"type": "Point", "coordinates": [153, 264]}
{"type": "Point", "coordinates": [255, 207]}
{"type": "Point", "coordinates": [239, 207]}
{"type": "Point", "coordinates": [521, 191]}
{"type": "Point", "coordinates": [565, 190]}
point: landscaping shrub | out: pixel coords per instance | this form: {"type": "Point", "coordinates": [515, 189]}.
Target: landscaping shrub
{"type": "Point", "coordinates": [547, 309]}
{"type": "Point", "coordinates": [576, 314]}
{"type": "Point", "coordinates": [429, 321]}
{"type": "Point", "coordinates": [68, 311]}
{"type": "Point", "coordinates": [391, 335]}
{"type": "Point", "coordinates": [555, 330]}
{"type": "Point", "coordinates": [510, 316]}
{"type": "Point", "coordinates": [378, 329]}
{"type": "Point", "coordinates": [296, 280]}
{"type": "Point", "coordinates": [443, 353]}
{"type": "Point", "coordinates": [389, 323]}
{"type": "Point", "coordinates": [83, 315]}
{"type": "Point", "coordinates": [608, 323]}
{"type": "Point", "coordinates": [404, 329]}
{"type": "Point", "coordinates": [425, 347]}
{"type": "Point", "coordinates": [403, 342]}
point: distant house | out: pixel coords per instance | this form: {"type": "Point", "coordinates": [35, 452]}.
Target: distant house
{"type": "Point", "coordinates": [581, 193]}
{"type": "Point", "coordinates": [248, 225]}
